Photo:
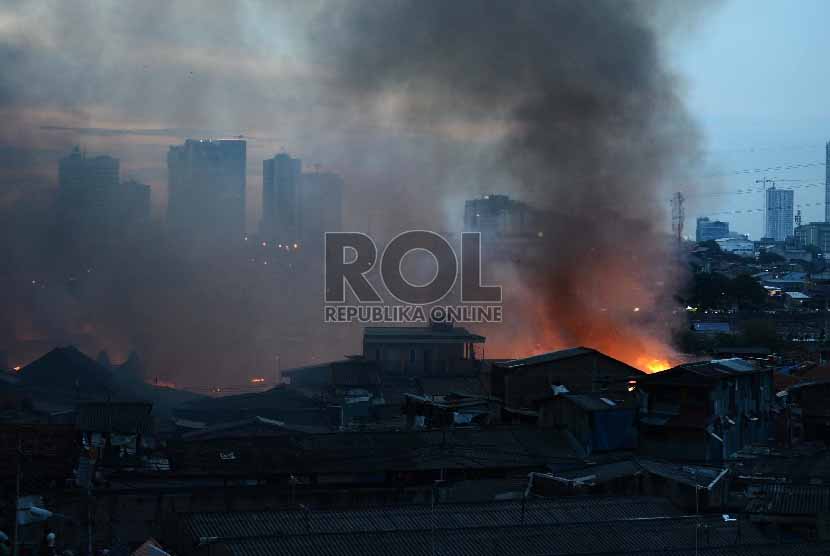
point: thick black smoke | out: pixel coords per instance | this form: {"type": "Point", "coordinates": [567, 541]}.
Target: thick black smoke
{"type": "Point", "coordinates": [587, 123]}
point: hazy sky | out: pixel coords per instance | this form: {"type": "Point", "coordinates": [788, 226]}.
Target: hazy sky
{"type": "Point", "coordinates": [758, 82]}
{"type": "Point", "coordinates": [755, 73]}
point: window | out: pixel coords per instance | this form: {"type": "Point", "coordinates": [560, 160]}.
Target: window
{"type": "Point", "coordinates": [377, 354]}
{"type": "Point", "coordinates": [412, 355]}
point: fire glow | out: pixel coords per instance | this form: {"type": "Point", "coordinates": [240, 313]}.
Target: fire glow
{"type": "Point", "coordinates": [652, 365]}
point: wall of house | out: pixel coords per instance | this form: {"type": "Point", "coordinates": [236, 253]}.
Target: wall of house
{"type": "Point", "coordinates": [587, 373]}
{"type": "Point", "coordinates": [418, 359]}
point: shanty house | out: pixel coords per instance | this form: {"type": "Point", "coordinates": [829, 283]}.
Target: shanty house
{"type": "Point", "coordinates": [436, 350]}
{"type": "Point", "coordinates": [809, 400]}
{"type": "Point", "coordinates": [705, 411]}
{"type": "Point", "coordinates": [519, 382]}
{"type": "Point", "coordinates": [595, 422]}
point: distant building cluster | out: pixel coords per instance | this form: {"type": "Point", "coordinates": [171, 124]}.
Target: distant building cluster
{"type": "Point", "coordinates": [298, 207]}
{"type": "Point", "coordinates": [782, 223]}
{"type": "Point", "coordinates": [93, 204]}
{"type": "Point", "coordinates": [207, 180]}
{"type": "Point", "coordinates": [708, 230]}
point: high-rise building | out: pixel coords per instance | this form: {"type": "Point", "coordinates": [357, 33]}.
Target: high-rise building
{"type": "Point", "coordinates": [321, 203]}
{"type": "Point", "coordinates": [827, 182]}
{"type": "Point", "coordinates": [85, 189]}
{"type": "Point", "coordinates": [131, 208]}
{"type": "Point", "coordinates": [814, 234]}
{"type": "Point", "coordinates": [281, 217]}
{"type": "Point", "coordinates": [708, 230]}
{"type": "Point", "coordinates": [779, 214]}
{"type": "Point", "coordinates": [500, 216]}
{"type": "Point", "coordinates": [206, 190]}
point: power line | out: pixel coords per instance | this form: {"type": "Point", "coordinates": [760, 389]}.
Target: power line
{"type": "Point", "coordinates": [757, 210]}
{"type": "Point", "coordinates": [752, 190]}
{"type": "Point", "coordinates": [782, 168]}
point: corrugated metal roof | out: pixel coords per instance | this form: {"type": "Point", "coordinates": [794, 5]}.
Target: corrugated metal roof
{"type": "Point", "coordinates": [658, 536]}
{"type": "Point", "coordinates": [355, 452]}
{"type": "Point", "coordinates": [418, 517]}
{"type": "Point", "coordinates": [789, 499]}
{"type": "Point", "coordinates": [592, 402]}
{"type": "Point", "coordinates": [548, 357]}
{"type": "Point", "coordinates": [702, 372]}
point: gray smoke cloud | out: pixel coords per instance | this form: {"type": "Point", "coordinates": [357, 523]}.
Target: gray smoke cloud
{"type": "Point", "coordinates": [418, 104]}
{"type": "Point", "coordinates": [584, 119]}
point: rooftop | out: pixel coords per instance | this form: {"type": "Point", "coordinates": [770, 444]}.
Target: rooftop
{"type": "Point", "coordinates": [448, 334]}
{"type": "Point", "coordinates": [577, 509]}
{"type": "Point", "coordinates": [558, 355]}
{"type": "Point", "coordinates": [702, 372]}
{"type": "Point", "coordinates": [625, 536]}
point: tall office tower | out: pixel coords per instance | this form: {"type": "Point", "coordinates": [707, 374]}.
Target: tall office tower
{"type": "Point", "coordinates": [206, 190]}
{"type": "Point", "coordinates": [321, 208]}
{"type": "Point", "coordinates": [827, 182]}
{"type": "Point", "coordinates": [86, 187]}
{"type": "Point", "coordinates": [711, 229]}
{"type": "Point", "coordinates": [500, 216]}
{"type": "Point", "coordinates": [281, 216]}
{"type": "Point", "coordinates": [131, 208]}
{"type": "Point", "coordinates": [779, 214]}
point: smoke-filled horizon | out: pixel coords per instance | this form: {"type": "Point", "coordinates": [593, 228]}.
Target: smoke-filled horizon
{"type": "Point", "coordinates": [588, 121]}
{"type": "Point", "coordinates": [418, 104]}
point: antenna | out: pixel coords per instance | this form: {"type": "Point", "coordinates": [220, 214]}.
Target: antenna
{"type": "Point", "coordinates": [678, 215]}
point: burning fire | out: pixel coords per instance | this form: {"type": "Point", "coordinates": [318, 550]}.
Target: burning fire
{"type": "Point", "coordinates": [643, 351]}
{"type": "Point", "coordinates": [257, 380]}
{"type": "Point", "coordinates": [652, 365]}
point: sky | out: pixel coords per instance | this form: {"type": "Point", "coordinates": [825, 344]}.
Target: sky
{"type": "Point", "coordinates": [757, 83]}
{"type": "Point", "coordinates": [754, 74]}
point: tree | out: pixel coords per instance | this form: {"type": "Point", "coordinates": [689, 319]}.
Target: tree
{"type": "Point", "coordinates": [747, 291]}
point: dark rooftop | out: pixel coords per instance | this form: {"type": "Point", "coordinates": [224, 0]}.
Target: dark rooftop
{"type": "Point", "coordinates": [559, 355]}
{"type": "Point", "coordinates": [593, 401]}
{"type": "Point", "coordinates": [702, 372]}
{"type": "Point", "coordinates": [575, 509]}
{"type": "Point", "coordinates": [661, 536]}
{"type": "Point", "coordinates": [419, 334]}
{"type": "Point", "coordinates": [517, 448]}
{"type": "Point", "coordinates": [116, 417]}
{"type": "Point", "coordinates": [783, 499]}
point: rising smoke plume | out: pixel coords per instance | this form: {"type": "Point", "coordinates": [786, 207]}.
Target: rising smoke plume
{"type": "Point", "coordinates": [419, 105]}
{"type": "Point", "coordinates": [586, 122]}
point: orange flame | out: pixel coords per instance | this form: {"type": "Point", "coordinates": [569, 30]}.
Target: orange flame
{"type": "Point", "coordinates": [652, 365]}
